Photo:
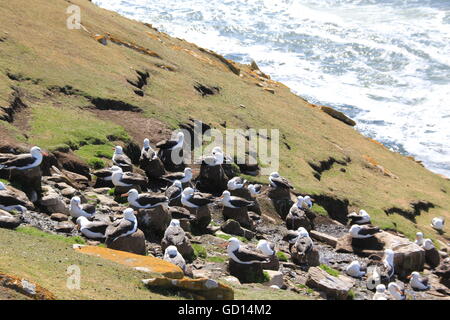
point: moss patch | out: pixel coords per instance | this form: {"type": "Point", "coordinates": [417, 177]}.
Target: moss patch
{"type": "Point", "coordinates": [38, 233]}
{"type": "Point", "coordinates": [282, 256]}
{"type": "Point", "coordinates": [199, 251]}
{"type": "Point", "coordinates": [329, 270]}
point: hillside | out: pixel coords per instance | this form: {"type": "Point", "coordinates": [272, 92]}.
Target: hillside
{"type": "Point", "coordinates": [63, 90]}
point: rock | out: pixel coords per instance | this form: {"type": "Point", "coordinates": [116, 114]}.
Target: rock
{"type": "Point", "coordinates": [144, 263]}
{"type": "Point", "coordinates": [310, 257]}
{"type": "Point", "coordinates": [59, 217]}
{"type": "Point", "coordinates": [69, 192]}
{"type": "Point", "coordinates": [246, 273]}
{"type": "Point", "coordinates": [154, 169]}
{"type": "Point", "coordinates": [52, 202]}
{"type": "Point", "coordinates": [134, 243]}
{"type": "Point", "coordinates": [233, 227]}
{"type": "Point", "coordinates": [232, 280]}
{"type": "Point", "coordinates": [8, 221]}
{"type": "Point", "coordinates": [78, 181]}
{"type": "Point", "coordinates": [201, 288]}
{"type": "Point", "coordinates": [297, 218]}
{"type": "Point", "coordinates": [240, 215]}
{"type": "Point", "coordinates": [30, 180]}
{"type": "Point", "coordinates": [338, 115]}
{"type": "Point", "coordinates": [64, 227]}
{"type": "Point", "coordinates": [183, 215]}
{"type": "Point", "coordinates": [181, 242]}
{"type": "Point", "coordinates": [154, 221]}
{"type": "Point", "coordinates": [275, 278]}
{"type": "Point", "coordinates": [212, 179]}
{"type": "Point", "coordinates": [323, 237]}
{"type": "Point", "coordinates": [333, 287]}
{"type": "Point", "coordinates": [432, 258]}
{"type": "Point", "coordinates": [202, 218]}
{"type": "Point", "coordinates": [273, 264]}
{"type": "Point", "coordinates": [72, 163]}
{"type": "Point", "coordinates": [408, 256]}
{"type": "Point", "coordinates": [281, 200]}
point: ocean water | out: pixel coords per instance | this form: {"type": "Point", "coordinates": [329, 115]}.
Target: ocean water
{"type": "Point", "coordinates": [384, 63]}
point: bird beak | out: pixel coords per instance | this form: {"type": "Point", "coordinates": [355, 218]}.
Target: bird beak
{"type": "Point", "coordinates": [113, 148]}
{"type": "Point", "coordinates": [408, 277]}
{"type": "Point", "coordinates": [124, 195]}
{"type": "Point", "coordinates": [224, 245]}
{"type": "Point", "coordinates": [45, 154]}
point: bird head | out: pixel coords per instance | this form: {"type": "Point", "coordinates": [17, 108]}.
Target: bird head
{"type": "Point", "coordinates": [419, 236]}
{"type": "Point", "coordinates": [381, 288]}
{"type": "Point", "coordinates": [414, 275]}
{"type": "Point", "coordinates": [188, 191]}
{"type": "Point", "coordinates": [177, 183]}
{"type": "Point", "coordinates": [171, 251]}
{"type": "Point", "coordinates": [132, 193]}
{"type": "Point", "coordinates": [36, 152]}
{"type": "Point", "coordinates": [82, 220]}
{"type": "Point", "coordinates": [75, 200]}
{"type": "Point", "coordinates": [128, 214]}
{"type": "Point", "coordinates": [174, 223]}
{"type": "Point", "coordinates": [274, 175]}
{"type": "Point", "coordinates": [428, 244]}
{"type": "Point", "coordinates": [225, 195]}
{"type": "Point", "coordinates": [115, 168]}
{"type": "Point", "coordinates": [118, 150]}
{"type": "Point", "coordinates": [233, 244]}
{"type": "Point", "coordinates": [146, 143]}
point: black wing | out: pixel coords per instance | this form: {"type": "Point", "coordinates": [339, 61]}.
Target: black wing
{"type": "Point", "coordinates": [240, 202]}
{"type": "Point", "coordinates": [173, 192]}
{"type": "Point", "coordinates": [150, 199]}
{"type": "Point", "coordinates": [369, 231]}
{"type": "Point", "coordinates": [282, 183]}
{"type": "Point", "coordinates": [200, 200]}
{"type": "Point", "coordinates": [174, 176]}
{"type": "Point", "coordinates": [122, 160]}
{"type": "Point", "coordinates": [21, 160]}
{"type": "Point", "coordinates": [102, 173]}
{"type": "Point", "coordinates": [290, 235]}
{"type": "Point", "coordinates": [132, 178]}
{"type": "Point", "coordinates": [245, 255]}
{"type": "Point", "coordinates": [98, 226]}
{"type": "Point", "coordinates": [120, 227]}
{"type": "Point", "coordinates": [166, 144]}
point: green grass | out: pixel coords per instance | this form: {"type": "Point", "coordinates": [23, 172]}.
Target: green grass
{"type": "Point", "coordinates": [282, 256]}
{"type": "Point", "coordinates": [351, 294]}
{"type": "Point", "coordinates": [306, 288]}
{"type": "Point", "coordinates": [317, 209]}
{"type": "Point", "coordinates": [329, 270]}
{"type": "Point", "coordinates": [217, 259]}
{"type": "Point", "coordinates": [32, 231]}
{"type": "Point", "coordinates": [95, 155]}
{"type": "Point", "coordinates": [199, 251]}
{"type": "Point", "coordinates": [53, 128]}
{"type": "Point", "coordinates": [266, 277]}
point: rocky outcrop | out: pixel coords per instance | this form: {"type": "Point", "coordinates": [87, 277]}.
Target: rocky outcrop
{"type": "Point", "coordinates": [233, 227]}
{"type": "Point", "coordinates": [275, 278]}
{"type": "Point", "coordinates": [153, 222]}
{"type": "Point", "coordinates": [8, 221]}
{"type": "Point", "coordinates": [53, 202]}
{"type": "Point", "coordinates": [212, 179]}
{"type": "Point", "coordinates": [199, 288]}
{"type": "Point", "coordinates": [240, 215]}
{"type": "Point", "coordinates": [297, 218]}
{"type": "Point", "coordinates": [134, 243]}
{"type": "Point", "coordinates": [408, 256]}
{"type": "Point", "coordinates": [246, 273]}
{"type": "Point", "coordinates": [202, 218]}
{"type": "Point", "coordinates": [142, 263]}
{"type": "Point", "coordinates": [334, 287]}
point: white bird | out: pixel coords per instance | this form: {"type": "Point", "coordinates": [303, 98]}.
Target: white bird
{"type": "Point", "coordinates": [92, 230]}
{"type": "Point", "coordinates": [417, 282]}
{"type": "Point", "coordinates": [126, 179]}
{"type": "Point", "coordinates": [216, 158]}
{"type": "Point", "coordinates": [291, 236]}
{"type": "Point", "coordinates": [308, 201]}
{"type": "Point", "coordinates": [254, 189]}
{"type": "Point", "coordinates": [147, 150]}
{"type": "Point", "coordinates": [172, 144]}
{"type": "Point", "coordinates": [419, 239]}
{"type": "Point", "coordinates": [388, 262]}
{"type": "Point", "coordinates": [121, 159]}
{"type": "Point", "coordinates": [192, 199]}
{"type": "Point", "coordinates": [24, 161]}
{"type": "Point", "coordinates": [380, 293]}
{"type": "Point", "coordinates": [363, 232]}
{"type": "Point", "coordinates": [396, 292]}
{"type": "Point", "coordinates": [265, 247]}
{"type": "Point", "coordinates": [242, 255]}
{"type": "Point", "coordinates": [145, 200]}
{"type": "Point", "coordinates": [428, 244]}
{"type": "Point", "coordinates": [122, 227]}
{"type": "Point", "coordinates": [183, 177]}
{"type": "Point", "coordinates": [234, 202]}
{"type": "Point", "coordinates": [354, 269]}
{"type": "Point", "coordinates": [359, 218]}
{"type": "Point", "coordinates": [236, 183]}
{"type": "Point", "coordinates": [172, 255]}
{"type": "Point", "coordinates": [76, 209]}
{"type": "Point", "coordinates": [278, 181]}
{"type": "Point", "coordinates": [438, 223]}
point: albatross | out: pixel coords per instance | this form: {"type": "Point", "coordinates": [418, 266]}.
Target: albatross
{"type": "Point", "coordinates": [354, 269]}
{"type": "Point", "coordinates": [174, 191]}
{"type": "Point", "coordinates": [396, 292]}
{"type": "Point", "coordinates": [126, 179]}
{"type": "Point", "coordinates": [254, 189]}
{"type": "Point", "coordinates": [76, 209]}
{"type": "Point", "coordinates": [183, 177]}
{"type": "Point", "coordinates": [172, 144]}
{"type": "Point", "coordinates": [265, 247]}
{"type": "Point", "coordinates": [417, 282]}
{"type": "Point", "coordinates": [192, 199]}
{"type": "Point", "coordinates": [359, 218]}
{"type": "Point", "coordinates": [13, 199]}
{"type": "Point", "coordinates": [363, 232]}
{"type": "Point", "coordinates": [236, 183]}
{"type": "Point", "coordinates": [419, 239]}
{"type": "Point", "coordinates": [278, 181]}
{"type": "Point", "coordinates": [438, 223]}
{"type": "Point", "coordinates": [216, 158]}
{"type": "Point", "coordinates": [145, 200]}
{"type": "Point", "coordinates": [24, 161]}
{"type": "Point", "coordinates": [92, 229]}
{"type": "Point", "coordinates": [174, 234]}
{"type": "Point", "coordinates": [121, 159]}
{"type": "Point", "coordinates": [147, 151]}
{"type": "Point", "coordinates": [291, 236]}
{"type": "Point", "coordinates": [105, 174]}
{"type": "Point", "coordinates": [380, 293]}
{"type": "Point", "coordinates": [172, 255]}
{"type": "Point", "coordinates": [122, 227]}
{"type": "Point", "coordinates": [235, 202]}
{"type": "Point", "coordinates": [243, 255]}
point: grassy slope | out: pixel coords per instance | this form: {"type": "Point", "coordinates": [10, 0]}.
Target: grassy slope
{"type": "Point", "coordinates": [39, 46]}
